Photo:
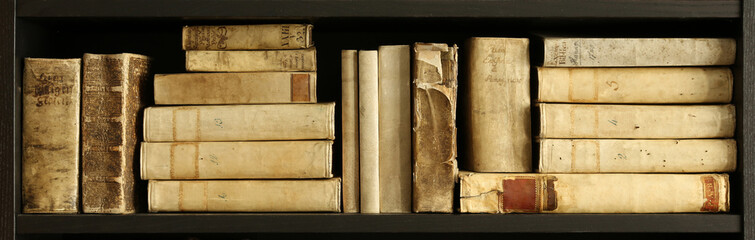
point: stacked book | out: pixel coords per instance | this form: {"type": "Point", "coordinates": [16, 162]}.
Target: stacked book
{"type": "Point", "coordinates": [625, 126]}
{"type": "Point", "coordinates": [245, 136]}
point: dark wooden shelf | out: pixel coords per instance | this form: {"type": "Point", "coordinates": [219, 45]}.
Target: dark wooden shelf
{"type": "Point", "coordinates": [383, 8]}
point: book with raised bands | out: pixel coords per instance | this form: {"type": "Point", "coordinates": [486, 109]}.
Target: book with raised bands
{"type": "Point", "coordinates": [247, 37]}
{"type": "Point", "coordinates": [235, 88]}
{"type": "Point", "coordinates": [50, 135]}
{"type": "Point", "coordinates": [350, 129]}
{"type": "Point", "coordinates": [300, 60]}
{"type": "Point", "coordinates": [320, 195]}
{"type": "Point", "coordinates": [240, 122]}
{"type": "Point", "coordinates": [593, 193]}
{"type": "Point", "coordinates": [237, 160]}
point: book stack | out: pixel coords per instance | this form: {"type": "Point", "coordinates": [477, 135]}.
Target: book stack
{"type": "Point", "coordinates": [247, 134]}
{"type": "Point", "coordinates": [625, 126]}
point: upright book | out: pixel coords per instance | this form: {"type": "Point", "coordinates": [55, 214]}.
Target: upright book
{"type": "Point", "coordinates": [350, 129]}
{"type": "Point", "coordinates": [369, 139]}
{"type": "Point", "coordinates": [112, 98]}
{"type": "Point", "coordinates": [50, 134]}
{"type": "Point", "coordinates": [247, 37]}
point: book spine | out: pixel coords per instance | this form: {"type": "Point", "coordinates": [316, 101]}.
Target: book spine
{"type": "Point", "coordinates": [635, 52]}
{"type": "Point", "coordinates": [50, 134]}
{"type": "Point", "coordinates": [394, 80]}
{"type": "Point", "coordinates": [247, 37]}
{"type": "Point", "coordinates": [322, 195]}
{"type": "Point", "coordinates": [240, 122]}
{"type": "Point", "coordinates": [235, 88]}
{"type": "Point", "coordinates": [637, 156]}
{"type": "Point", "coordinates": [635, 85]}
{"type": "Point", "coordinates": [112, 100]}
{"type": "Point", "coordinates": [252, 61]}
{"type": "Point", "coordinates": [498, 107]}
{"type": "Point", "coordinates": [369, 149]}
{"type": "Point", "coordinates": [593, 193]}
{"type": "Point", "coordinates": [434, 127]}
{"type": "Point", "coordinates": [350, 130]}
{"type": "Point", "coordinates": [636, 121]}
{"type": "Point", "coordinates": [231, 160]}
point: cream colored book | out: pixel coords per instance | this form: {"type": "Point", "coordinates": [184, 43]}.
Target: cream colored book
{"type": "Point", "coordinates": [237, 160]}
{"type": "Point", "coordinates": [321, 195]}
{"type": "Point", "coordinates": [247, 37]}
{"type": "Point", "coordinates": [498, 105]}
{"type": "Point", "coordinates": [235, 88]}
{"type": "Point", "coordinates": [303, 60]}
{"type": "Point", "coordinates": [350, 129]}
{"type": "Point", "coordinates": [637, 156]}
{"type": "Point", "coordinates": [636, 52]}
{"type": "Point", "coordinates": [635, 85]}
{"type": "Point", "coordinates": [636, 121]}
{"type": "Point", "coordinates": [395, 130]}
{"type": "Point", "coordinates": [240, 122]}
{"type": "Point", "coordinates": [593, 193]}
{"type": "Point", "coordinates": [369, 150]}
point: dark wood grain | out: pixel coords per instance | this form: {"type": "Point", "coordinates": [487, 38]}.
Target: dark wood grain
{"type": "Point", "coordinates": [7, 119]}
{"type": "Point", "coordinates": [747, 138]}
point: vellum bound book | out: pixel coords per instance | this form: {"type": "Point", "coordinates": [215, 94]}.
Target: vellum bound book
{"type": "Point", "coordinates": [593, 193]}
{"type": "Point", "coordinates": [299, 60]}
{"type": "Point", "coordinates": [247, 37]}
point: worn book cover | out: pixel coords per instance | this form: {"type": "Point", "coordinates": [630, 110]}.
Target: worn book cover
{"type": "Point", "coordinates": [350, 129]}
{"type": "Point", "coordinates": [247, 37]}
{"type": "Point", "coordinates": [369, 140]}
{"type": "Point", "coordinates": [299, 60]}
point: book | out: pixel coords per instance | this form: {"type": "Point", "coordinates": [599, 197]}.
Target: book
{"type": "Point", "coordinates": [497, 106]}
{"type": "Point", "coordinates": [350, 130]}
{"type": "Point", "coordinates": [239, 122]}
{"type": "Point", "coordinates": [237, 160]}
{"type": "Point", "coordinates": [395, 134]}
{"type": "Point", "coordinates": [320, 195]}
{"type": "Point", "coordinates": [635, 85]}
{"type": "Point", "coordinates": [434, 127]}
{"type": "Point", "coordinates": [593, 193]}
{"type": "Point", "coordinates": [50, 135]}
{"type": "Point", "coordinates": [636, 52]}
{"type": "Point", "coordinates": [636, 121]}
{"type": "Point", "coordinates": [302, 60]}
{"type": "Point", "coordinates": [235, 88]}
{"type": "Point", "coordinates": [637, 156]}
{"type": "Point", "coordinates": [369, 149]}
{"type": "Point", "coordinates": [112, 101]}
{"type": "Point", "coordinates": [247, 37]}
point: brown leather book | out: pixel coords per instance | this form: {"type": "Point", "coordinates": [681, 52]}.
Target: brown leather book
{"type": "Point", "coordinates": [112, 105]}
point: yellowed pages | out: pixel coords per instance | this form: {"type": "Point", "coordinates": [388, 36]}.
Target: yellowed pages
{"type": "Point", "coordinates": [395, 129]}
{"type": "Point", "coordinates": [593, 193]}
{"type": "Point", "coordinates": [634, 52]}
{"type": "Point", "coordinates": [498, 105]}
{"type": "Point", "coordinates": [636, 121]}
{"type": "Point", "coordinates": [303, 60]}
{"type": "Point", "coordinates": [235, 88]}
{"type": "Point", "coordinates": [369, 150]}
{"type": "Point", "coordinates": [240, 122]}
{"type": "Point", "coordinates": [247, 37]}
{"type": "Point", "coordinates": [350, 130]}
{"type": "Point", "coordinates": [636, 85]}
{"type": "Point", "coordinates": [637, 156]}
{"type": "Point", "coordinates": [322, 195]}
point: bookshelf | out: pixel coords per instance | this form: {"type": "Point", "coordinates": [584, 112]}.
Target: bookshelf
{"type": "Point", "coordinates": [69, 28]}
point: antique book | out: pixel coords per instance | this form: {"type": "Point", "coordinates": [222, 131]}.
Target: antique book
{"type": "Point", "coordinates": [50, 135]}
{"type": "Point", "coordinates": [593, 193]}
{"type": "Point", "coordinates": [497, 106]}
{"type": "Point", "coordinates": [636, 121]}
{"type": "Point", "coordinates": [235, 88]}
{"type": "Point", "coordinates": [350, 130]}
{"type": "Point", "coordinates": [247, 37]}
{"type": "Point", "coordinates": [635, 85]}
{"type": "Point", "coordinates": [394, 121]}
{"type": "Point", "coordinates": [239, 122]}
{"type": "Point", "coordinates": [369, 149]}
{"type": "Point", "coordinates": [434, 127]}
{"type": "Point", "coordinates": [302, 60]}
{"type": "Point", "coordinates": [112, 101]}
{"type": "Point", "coordinates": [237, 160]}
{"type": "Point", "coordinates": [636, 52]}
{"type": "Point", "coordinates": [637, 156]}
{"type": "Point", "coordinates": [319, 195]}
